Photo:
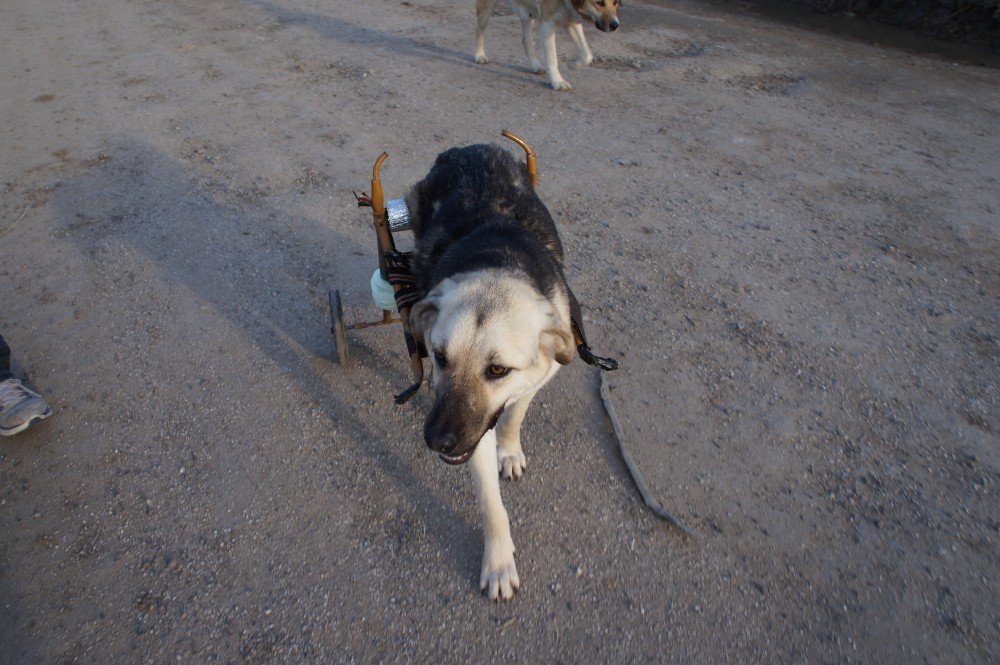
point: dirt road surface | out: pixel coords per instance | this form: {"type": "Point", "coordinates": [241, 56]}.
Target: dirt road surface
{"type": "Point", "coordinates": [790, 240]}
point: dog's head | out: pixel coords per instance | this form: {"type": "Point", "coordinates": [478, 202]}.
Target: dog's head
{"type": "Point", "coordinates": [492, 338]}
{"type": "Point", "coordinates": [604, 13]}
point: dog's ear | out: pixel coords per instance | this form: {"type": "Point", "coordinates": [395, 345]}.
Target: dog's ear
{"type": "Point", "coordinates": [558, 342]}
{"type": "Point", "coordinates": [423, 316]}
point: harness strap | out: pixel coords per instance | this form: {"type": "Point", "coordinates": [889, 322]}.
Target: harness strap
{"type": "Point", "coordinates": [399, 272]}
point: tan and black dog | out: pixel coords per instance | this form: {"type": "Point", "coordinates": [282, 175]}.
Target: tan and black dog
{"type": "Point", "coordinates": [551, 14]}
{"type": "Point", "coordinates": [497, 322]}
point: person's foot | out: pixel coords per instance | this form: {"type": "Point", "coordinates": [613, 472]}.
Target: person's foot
{"type": "Point", "coordinates": [20, 408]}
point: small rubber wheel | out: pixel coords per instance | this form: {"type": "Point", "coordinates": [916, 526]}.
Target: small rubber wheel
{"type": "Point", "coordinates": [338, 332]}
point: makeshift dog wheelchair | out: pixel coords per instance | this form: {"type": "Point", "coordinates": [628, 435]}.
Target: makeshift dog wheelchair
{"type": "Point", "coordinates": [395, 289]}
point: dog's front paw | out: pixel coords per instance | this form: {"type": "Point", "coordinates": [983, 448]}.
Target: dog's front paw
{"type": "Point", "coordinates": [537, 67]}
{"type": "Point", "coordinates": [511, 465]}
{"type": "Point", "coordinates": [481, 59]}
{"type": "Point", "coordinates": [499, 575]}
{"type": "Point", "coordinates": [581, 63]}
{"type": "Point", "coordinates": [561, 84]}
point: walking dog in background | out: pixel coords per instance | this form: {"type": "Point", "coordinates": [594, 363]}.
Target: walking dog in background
{"type": "Point", "coordinates": [551, 14]}
{"type": "Point", "coordinates": [496, 322]}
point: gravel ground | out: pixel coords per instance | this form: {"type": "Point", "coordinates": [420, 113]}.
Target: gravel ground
{"type": "Point", "coordinates": [789, 240]}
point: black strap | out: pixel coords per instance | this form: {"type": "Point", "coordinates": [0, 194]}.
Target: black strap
{"type": "Point", "coordinates": [582, 348]}
{"type": "Point", "coordinates": [399, 272]}
{"type": "Point", "coordinates": [587, 356]}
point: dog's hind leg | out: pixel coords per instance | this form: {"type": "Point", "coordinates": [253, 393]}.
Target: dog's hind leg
{"type": "Point", "coordinates": [584, 57]}
{"type": "Point", "coordinates": [511, 461]}
{"type": "Point", "coordinates": [528, 28]}
{"type": "Point", "coordinates": [484, 10]}
{"type": "Point", "coordinates": [499, 574]}
{"type": "Point", "coordinates": [548, 36]}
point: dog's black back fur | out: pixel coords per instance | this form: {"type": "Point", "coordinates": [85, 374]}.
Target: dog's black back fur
{"type": "Point", "coordinates": [476, 210]}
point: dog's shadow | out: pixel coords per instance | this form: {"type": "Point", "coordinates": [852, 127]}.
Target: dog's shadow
{"type": "Point", "coordinates": [352, 34]}
{"type": "Point", "coordinates": [273, 291]}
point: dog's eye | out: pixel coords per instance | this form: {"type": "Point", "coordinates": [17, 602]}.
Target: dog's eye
{"type": "Point", "coordinates": [497, 371]}
{"type": "Point", "coordinates": [442, 360]}
{"type": "Point", "coordinates": [601, 3]}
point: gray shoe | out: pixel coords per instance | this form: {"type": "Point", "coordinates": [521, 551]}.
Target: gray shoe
{"type": "Point", "coordinates": [20, 408]}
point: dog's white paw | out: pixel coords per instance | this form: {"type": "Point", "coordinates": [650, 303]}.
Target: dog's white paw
{"type": "Point", "coordinates": [581, 63]}
{"type": "Point", "coordinates": [537, 67]}
{"type": "Point", "coordinates": [561, 84]}
{"type": "Point", "coordinates": [499, 575]}
{"type": "Point", "coordinates": [511, 465]}
{"type": "Point", "coordinates": [481, 59]}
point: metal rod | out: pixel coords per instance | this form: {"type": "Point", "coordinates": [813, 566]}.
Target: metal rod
{"type": "Point", "coordinates": [378, 198]}
{"type": "Point", "coordinates": [379, 217]}
{"type": "Point", "coordinates": [371, 324]}
{"type": "Point", "coordinates": [530, 156]}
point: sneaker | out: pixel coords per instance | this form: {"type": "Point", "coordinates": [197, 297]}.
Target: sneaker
{"type": "Point", "coordinates": [20, 408]}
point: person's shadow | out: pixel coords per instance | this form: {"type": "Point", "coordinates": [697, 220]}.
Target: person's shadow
{"type": "Point", "coordinates": [268, 275]}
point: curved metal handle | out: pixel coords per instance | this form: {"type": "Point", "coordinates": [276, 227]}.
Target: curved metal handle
{"type": "Point", "coordinates": [530, 157]}
{"type": "Point", "coordinates": [378, 198]}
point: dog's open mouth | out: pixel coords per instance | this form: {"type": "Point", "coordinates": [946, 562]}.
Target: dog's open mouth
{"type": "Point", "coordinates": [455, 460]}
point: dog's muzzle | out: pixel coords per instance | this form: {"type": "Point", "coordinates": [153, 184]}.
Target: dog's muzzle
{"type": "Point", "coordinates": [607, 26]}
{"type": "Point", "coordinates": [445, 443]}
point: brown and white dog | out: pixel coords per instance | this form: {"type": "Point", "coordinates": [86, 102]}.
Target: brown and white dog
{"type": "Point", "coordinates": [551, 14]}
{"type": "Point", "coordinates": [496, 320]}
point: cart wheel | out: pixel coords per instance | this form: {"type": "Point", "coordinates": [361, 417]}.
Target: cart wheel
{"type": "Point", "coordinates": [338, 332]}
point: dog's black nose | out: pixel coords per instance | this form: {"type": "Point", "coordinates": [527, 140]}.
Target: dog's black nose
{"type": "Point", "coordinates": [440, 442]}
{"type": "Point", "coordinates": [613, 26]}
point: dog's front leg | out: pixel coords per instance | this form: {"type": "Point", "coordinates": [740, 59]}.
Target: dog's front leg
{"type": "Point", "coordinates": [548, 36]}
{"type": "Point", "coordinates": [583, 55]}
{"type": "Point", "coordinates": [511, 461]}
{"type": "Point", "coordinates": [499, 574]}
